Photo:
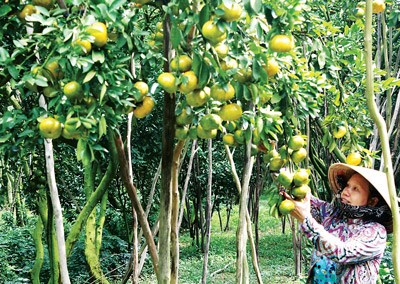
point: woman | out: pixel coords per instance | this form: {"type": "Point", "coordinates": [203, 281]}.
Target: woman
{"type": "Point", "coordinates": [349, 234]}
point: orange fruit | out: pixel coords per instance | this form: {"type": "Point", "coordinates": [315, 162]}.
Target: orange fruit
{"type": "Point", "coordinates": [339, 132]}
{"type": "Point", "coordinates": [230, 112]}
{"type": "Point", "coordinates": [189, 82]}
{"type": "Point", "coordinates": [50, 92]}
{"type": "Point", "coordinates": [272, 67]}
{"type": "Point", "coordinates": [285, 178]}
{"type": "Point", "coordinates": [276, 163]}
{"type": "Point", "coordinates": [222, 93]}
{"type": "Point", "coordinates": [145, 108]}
{"type": "Point", "coordinates": [99, 31]}
{"type": "Point", "coordinates": [228, 64]}
{"type": "Point", "coordinates": [73, 91]}
{"type": "Point", "coordinates": [143, 89]}
{"type": "Point", "coordinates": [212, 32]}
{"type": "Point", "coordinates": [54, 68]}
{"type": "Point", "coordinates": [301, 177]}
{"type": "Point", "coordinates": [181, 63]}
{"type": "Point", "coordinates": [299, 192]}
{"type": "Point", "coordinates": [228, 139]}
{"type": "Point", "coordinates": [198, 97]}
{"type": "Point", "coordinates": [206, 134]}
{"type": "Point", "coordinates": [26, 11]}
{"type": "Point", "coordinates": [232, 12]}
{"type": "Point", "coordinates": [184, 118]}
{"type": "Point", "coordinates": [281, 43]}
{"type": "Point", "coordinates": [299, 155]}
{"type": "Point", "coordinates": [239, 136]}
{"type": "Point", "coordinates": [84, 45]}
{"type": "Point", "coordinates": [243, 75]}
{"type": "Point", "coordinates": [167, 81]}
{"type": "Point", "coordinates": [222, 50]}
{"type": "Point", "coordinates": [181, 133]}
{"type": "Point", "coordinates": [354, 158]}
{"type": "Point", "coordinates": [286, 206]}
{"type": "Point", "coordinates": [50, 127]}
{"type": "Point", "coordinates": [210, 121]}
{"type": "Point", "coordinates": [378, 6]}
{"type": "Point", "coordinates": [296, 142]}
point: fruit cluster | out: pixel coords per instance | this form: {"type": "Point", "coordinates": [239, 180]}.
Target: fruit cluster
{"type": "Point", "coordinates": [296, 185]}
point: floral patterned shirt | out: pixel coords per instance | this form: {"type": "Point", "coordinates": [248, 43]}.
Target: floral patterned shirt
{"type": "Point", "coordinates": [355, 245]}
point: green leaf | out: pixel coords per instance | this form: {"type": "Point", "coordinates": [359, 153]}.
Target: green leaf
{"type": "Point", "coordinates": [176, 36]}
{"type": "Point", "coordinates": [102, 126]}
{"type": "Point", "coordinates": [98, 56]}
{"type": "Point", "coordinates": [256, 5]}
{"type": "Point", "coordinates": [4, 10]}
{"type": "Point", "coordinates": [89, 76]}
{"type": "Point", "coordinates": [103, 92]}
{"type": "Point", "coordinates": [4, 55]}
{"type": "Point", "coordinates": [5, 138]}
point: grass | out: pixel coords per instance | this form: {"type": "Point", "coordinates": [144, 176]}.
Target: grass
{"type": "Point", "coordinates": [276, 260]}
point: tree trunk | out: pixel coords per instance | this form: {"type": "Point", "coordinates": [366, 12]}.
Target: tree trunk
{"type": "Point", "coordinates": [380, 122]}
{"type": "Point", "coordinates": [242, 267]}
{"type": "Point", "coordinates": [131, 190]}
{"type": "Point", "coordinates": [175, 212]}
{"type": "Point", "coordinates": [166, 167]}
{"type": "Point", "coordinates": [208, 215]}
{"type": "Point", "coordinates": [185, 187]}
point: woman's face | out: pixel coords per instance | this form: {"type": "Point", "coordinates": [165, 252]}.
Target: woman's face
{"type": "Point", "coordinates": [356, 192]}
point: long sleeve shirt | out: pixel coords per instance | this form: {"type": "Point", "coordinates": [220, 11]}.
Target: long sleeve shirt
{"type": "Point", "coordinates": [355, 245]}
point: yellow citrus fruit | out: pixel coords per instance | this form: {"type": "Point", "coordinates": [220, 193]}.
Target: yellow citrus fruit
{"type": "Point", "coordinates": [73, 91]}
{"type": "Point", "coordinates": [210, 121]}
{"type": "Point", "coordinates": [198, 97]}
{"type": "Point", "coordinates": [50, 92]}
{"type": "Point", "coordinates": [359, 12]}
{"type": "Point", "coordinates": [192, 132]}
{"type": "Point", "coordinates": [378, 6]}
{"type": "Point", "coordinates": [222, 93]}
{"type": "Point", "coordinates": [222, 50]}
{"type": "Point", "coordinates": [143, 89]}
{"type": "Point", "coordinates": [44, 3]}
{"type": "Point", "coordinates": [26, 11]}
{"type": "Point", "coordinates": [285, 178]}
{"type": "Point", "coordinates": [286, 206]}
{"type": "Point", "coordinates": [167, 81]}
{"type": "Point", "coordinates": [229, 63]}
{"type": "Point", "coordinates": [239, 136]}
{"type": "Point", "coordinates": [206, 134]}
{"type": "Point", "coordinates": [181, 63]}
{"type": "Point", "coordinates": [54, 68]}
{"type": "Point", "coordinates": [281, 43]}
{"type": "Point", "coordinates": [228, 139]}
{"type": "Point", "coordinates": [301, 177]}
{"type": "Point", "coordinates": [212, 32]}
{"type": "Point", "coordinates": [339, 132]}
{"type": "Point", "coordinates": [98, 30]}
{"type": "Point", "coordinates": [243, 75]}
{"type": "Point", "coordinates": [184, 118]}
{"type": "Point", "coordinates": [189, 83]}
{"type": "Point", "coordinates": [299, 155]}
{"type": "Point", "coordinates": [72, 128]}
{"type": "Point", "coordinates": [354, 158]}
{"type": "Point", "coordinates": [231, 12]}
{"type": "Point", "coordinates": [271, 154]}
{"type": "Point", "coordinates": [299, 192]}
{"type": "Point", "coordinates": [230, 112]}
{"type": "Point", "coordinates": [181, 133]}
{"type": "Point", "coordinates": [276, 163]}
{"type": "Point", "coordinates": [272, 67]}
{"type": "Point", "coordinates": [84, 45]}
{"type": "Point", "coordinates": [145, 108]}
{"type": "Point", "coordinates": [50, 127]}
{"type": "Point", "coordinates": [296, 142]}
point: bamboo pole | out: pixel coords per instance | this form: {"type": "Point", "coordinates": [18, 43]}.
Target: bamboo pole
{"type": "Point", "coordinates": [381, 124]}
